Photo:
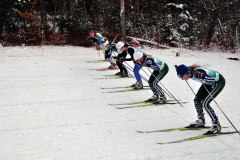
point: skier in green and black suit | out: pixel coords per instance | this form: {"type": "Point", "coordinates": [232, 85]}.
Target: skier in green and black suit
{"type": "Point", "coordinates": [160, 69]}
{"type": "Point", "coordinates": [212, 84]}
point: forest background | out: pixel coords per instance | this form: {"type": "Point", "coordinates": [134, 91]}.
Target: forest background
{"type": "Point", "coordinates": [196, 24]}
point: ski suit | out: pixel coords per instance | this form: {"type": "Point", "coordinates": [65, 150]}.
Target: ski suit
{"type": "Point", "coordinates": [104, 45]}
{"type": "Point", "coordinates": [160, 69]}
{"type": "Point", "coordinates": [212, 84]}
{"type": "Point", "coordinates": [131, 50]}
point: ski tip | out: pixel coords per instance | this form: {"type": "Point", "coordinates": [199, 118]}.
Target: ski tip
{"type": "Point", "coordinates": [120, 108]}
{"type": "Point", "coordinates": [162, 143]}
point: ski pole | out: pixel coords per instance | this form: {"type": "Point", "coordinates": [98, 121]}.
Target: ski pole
{"type": "Point", "coordinates": [114, 39]}
{"type": "Point", "coordinates": [133, 71]}
{"type": "Point", "coordinates": [161, 85]}
{"type": "Point", "coordinates": [147, 80]}
{"type": "Point", "coordinates": [169, 93]}
{"type": "Point", "coordinates": [221, 109]}
{"type": "Point", "coordinates": [190, 88]}
{"type": "Point", "coordinates": [127, 68]}
{"type": "Point", "coordinates": [215, 103]}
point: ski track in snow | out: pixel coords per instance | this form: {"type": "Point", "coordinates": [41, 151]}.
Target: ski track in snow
{"type": "Point", "coordinates": [52, 108]}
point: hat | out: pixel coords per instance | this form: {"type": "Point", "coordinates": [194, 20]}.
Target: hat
{"type": "Point", "coordinates": [137, 55]}
{"type": "Point", "coordinates": [120, 45]}
{"type": "Point", "coordinates": [113, 46]}
{"type": "Point", "coordinates": [182, 70]}
{"type": "Point", "coordinates": [91, 33]}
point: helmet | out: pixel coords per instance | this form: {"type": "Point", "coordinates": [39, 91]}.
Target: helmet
{"type": "Point", "coordinates": [137, 55]}
{"type": "Point", "coordinates": [113, 46]}
{"type": "Point", "coordinates": [182, 70]}
{"type": "Point", "coordinates": [120, 45]}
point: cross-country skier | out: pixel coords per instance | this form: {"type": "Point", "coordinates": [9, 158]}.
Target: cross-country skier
{"type": "Point", "coordinates": [120, 50]}
{"type": "Point", "coordinates": [102, 43]}
{"type": "Point", "coordinates": [128, 48]}
{"type": "Point", "coordinates": [132, 47]}
{"type": "Point", "coordinates": [131, 50]}
{"type": "Point", "coordinates": [212, 84]}
{"type": "Point", "coordinates": [160, 69]}
{"type": "Point", "coordinates": [132, 42]}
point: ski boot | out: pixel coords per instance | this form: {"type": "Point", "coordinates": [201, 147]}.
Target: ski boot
{"type": "Point", "coordinates": [113, 66]}
{"type": "Point", "coordinates": [161, 100]}
{"type": "Point", "coordinates": [199, 123]}
{"type": "Point", "coordinates": [216, 128]}
{"type": "Point", "coordinates": [133, 85]}
{"type": "Point", "coordinates": [119, 73]}
{"type": "Point", "coordinates": [123, 75]}
{"type": "Point", "coordinates": [138, 85]}
{"type": "Point", "coordinates": [152, 99]}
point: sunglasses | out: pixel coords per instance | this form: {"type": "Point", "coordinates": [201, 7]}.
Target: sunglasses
{"type": "Point", "coordinates": [182, 77]}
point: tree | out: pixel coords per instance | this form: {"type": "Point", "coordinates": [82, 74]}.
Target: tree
{"type": "Point", "coordinates": [122, 18]}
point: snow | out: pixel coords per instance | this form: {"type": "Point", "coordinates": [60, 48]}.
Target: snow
{"type": "Point", "coordinates": [180, 6]}
{"type": "Point", "coordinates": [52, 107]}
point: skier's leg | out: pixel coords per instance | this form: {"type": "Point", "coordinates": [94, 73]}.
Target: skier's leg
{"type": "Point", "coordinates": [137, 75]}
{"type": "Point", "coordinates": [120, 66]}
{"type": "Point", "coordinates": [159, 76]}
{"type": "Point", "coordinates": [213, 91]}
{"type": "Point", "coordinates": [136, 71]}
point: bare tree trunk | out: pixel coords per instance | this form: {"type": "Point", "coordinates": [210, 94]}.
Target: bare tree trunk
{"type": "Point", "coordinates": [237, 36]}
{"type": "Point", "coordinates": [42, 14]}
{"type": "Point", "coordinates": [122, 18]}
{"type": "Point", "coordinates": [84, 9]}
{"type": "Point", "coordinates": [71, 6]}
{"type": "Point", "coordinates": [54, 16]}
{"type": "Point", "coordinates": [221, 29]}
{"type": "Point", "coordinates": [211, 29]}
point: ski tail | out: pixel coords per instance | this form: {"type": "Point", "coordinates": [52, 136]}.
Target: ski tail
{"type": "Point", "coordinates": [174, 129]}
{"type": "Point", "coordinates": [148, 105]}
{"type": "Point", "coordinates": [198, 137]}
{"type": "Point", "coordinates": [138, 102]}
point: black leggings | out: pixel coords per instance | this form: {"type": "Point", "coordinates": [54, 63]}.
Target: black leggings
{"type": "Point", "coordinates": [155, 77]}
{"type": "Point", "coordinates": [203, 99]}
{"type": "Point", "coordinates": [121, 67]}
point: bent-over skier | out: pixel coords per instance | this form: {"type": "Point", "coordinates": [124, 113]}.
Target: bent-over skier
{"type": "Point", "coordinates": [160, 69]}
{"type": "Point", "coordinates": [102, 43]}
{"type": "Point", "coordinates": [212, 84]}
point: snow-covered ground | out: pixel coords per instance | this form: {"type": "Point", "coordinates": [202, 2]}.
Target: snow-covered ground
{"type": "Point", "coordinates": [52, 107]}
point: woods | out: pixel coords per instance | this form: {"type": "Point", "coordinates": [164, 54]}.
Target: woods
{"type": "Point", "coordinates": [175, 23]}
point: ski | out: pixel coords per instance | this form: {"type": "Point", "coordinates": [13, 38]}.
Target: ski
{"type": "Point", "coordinates": [120, 87]}
{"type": "Point", "coordinates": [174, 129]}
{"type": "Point", "coordinates": [138, 102]}
{"type": "Point", "coordinates": [117, 77]}
{"type": "Point", "coordinates": [96, 61]}
{"type": "Point", "coordinates": [198, 137]}
{"type": "Point", "coordinates": [148, 105]}
{"type": "Point", "coordinates": [127, 90]}
{"type": "Point", "coordinates": [105, 69]}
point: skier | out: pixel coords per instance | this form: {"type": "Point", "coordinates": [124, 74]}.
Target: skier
{"type": "Point", "coordinates": [160, 69]}
{"type": "Point", "coordinates": [131, 50]}
{"type": "Point", "coordinates": [212, 84]}
{"type": "Point", "coordinates": [120, 50]}
{"type": "Point", "coordinates": [132, 42]}
{"type": "Point", "coordinates": [122, 57]}
{"type": "Point", "coordinates": [102, 43]}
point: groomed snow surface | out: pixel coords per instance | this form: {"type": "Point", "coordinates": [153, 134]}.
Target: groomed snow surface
{"type": "Point", "coordinates": [52, 107]}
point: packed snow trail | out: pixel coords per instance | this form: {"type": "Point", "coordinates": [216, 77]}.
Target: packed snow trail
{"type": "Point", "coordinates": [52, 107]}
